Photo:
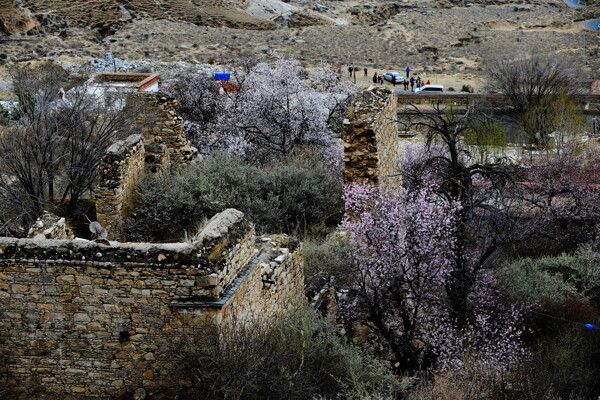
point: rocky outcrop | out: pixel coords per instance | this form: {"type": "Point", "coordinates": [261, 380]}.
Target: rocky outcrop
{"type": "Point", "coordinates": [14, 19]}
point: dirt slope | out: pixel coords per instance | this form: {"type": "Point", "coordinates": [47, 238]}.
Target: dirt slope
{"type": "Point", "coordinates": [108, 15]}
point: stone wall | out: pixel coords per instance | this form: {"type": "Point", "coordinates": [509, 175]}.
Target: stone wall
{"type": "Point", "coordinates": [371, 147]}
{"type": "Point", "coordinates": [162, 142]}
{"type": "Point", "coordinates": [388, 144]}
{"type": "Point", "coordinates": [119, 172]}
{"type": "Point", "coordinates": [83, 320]}
{"type": "Point", "coordinates": [162, 130]}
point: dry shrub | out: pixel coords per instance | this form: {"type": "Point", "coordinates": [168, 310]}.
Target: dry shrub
{"type": "Point", "coordinates": [301, 357]}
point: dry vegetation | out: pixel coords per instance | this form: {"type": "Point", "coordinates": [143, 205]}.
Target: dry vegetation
{"type": "Point", "coordinates": [432, 36]}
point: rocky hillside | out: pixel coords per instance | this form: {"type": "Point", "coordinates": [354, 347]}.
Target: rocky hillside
{"type": "Point", "coordinates": [108, 15]}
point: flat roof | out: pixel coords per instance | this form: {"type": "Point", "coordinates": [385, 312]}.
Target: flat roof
{"type": "Point", "coordinates": [136, 80]}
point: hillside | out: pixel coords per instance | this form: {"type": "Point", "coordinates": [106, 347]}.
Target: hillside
{"type": "Point", "coordinates": [431, 36]}
{"type": "Point", "coordinates": [108, 15]}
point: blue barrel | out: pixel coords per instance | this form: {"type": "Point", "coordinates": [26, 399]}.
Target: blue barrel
{"type": "Point", "coordinates": [222, 76]}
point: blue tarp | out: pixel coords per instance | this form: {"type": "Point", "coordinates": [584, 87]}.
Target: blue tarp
{"type": "Point", "coordinates": [222, 76]}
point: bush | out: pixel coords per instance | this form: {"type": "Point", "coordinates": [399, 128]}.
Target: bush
{"type": "Point", "coordinates": [486, 134]}
{"type": "Point", "coordinates": [467, 88]}
{"type": "Point", "coordinates": [570, 362]}
{"type": "Point", "coordinates": [302, 357]}
{"type": "Point", "coordinates": [294, 197]}
{"type": "Point", "coordinates": [168, 206]}
{"type": "Point", "coordinates": [332, 257]}
{"type": "Point", "coordinates": [554, 279]}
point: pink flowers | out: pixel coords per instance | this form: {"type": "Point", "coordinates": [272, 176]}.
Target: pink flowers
{"type": "Point", "coordinates": [406, 249]}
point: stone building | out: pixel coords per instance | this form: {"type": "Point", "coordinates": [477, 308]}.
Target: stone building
{"type": "Point", "coordinates": [161, 142]}
{"type": "Point", "coordinates": [85, 320]}
{"type": "Point", "coordinates": [81, 320]}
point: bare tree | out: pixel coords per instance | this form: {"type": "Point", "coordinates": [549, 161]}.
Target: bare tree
{"type": "Point", "coordinates": [533, 85]}
{"type": "Point", "coordinates": [52, 156]}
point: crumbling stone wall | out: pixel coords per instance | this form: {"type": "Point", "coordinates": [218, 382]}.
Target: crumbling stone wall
{"type": "Point", "coordinates": [371, 146]}
{"type": "Point", "coordinates": [162, 129]}
{"type": "Point", "coordinates": [83, 320]}
{"type": "Point", "coordinates": [50, 226]}
{"type": "Point", "coordinates": [162, 142]}
{"type": "Point", "coordinates": [277, 265]}
{"type": "Point", "coordinates": [388, 145]}
{"type": "Point", "coordinates": [120, 170]}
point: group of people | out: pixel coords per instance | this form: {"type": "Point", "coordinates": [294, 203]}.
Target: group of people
{"type": "Point", "coordinates": [379, 79]}
{"type": "Point", "coordinates": [419, 82]}
{"type": "Point", "coordinates": [352, 70]}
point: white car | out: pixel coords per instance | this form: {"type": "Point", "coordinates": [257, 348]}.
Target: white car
{"type": "Point", "coordinates": [430, 88]}
{"type": "Point", "coordinates": [388, 76]}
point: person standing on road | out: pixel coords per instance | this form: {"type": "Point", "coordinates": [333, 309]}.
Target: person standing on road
{"type": "Point", "coordinates": [381, 79]}
{"type": "Point", "coordinates": [375, 78]}
{"type": "Point", "coordinates": [394, 80]}
{"type": "Point", "coordinates": [350, 71]}
{"type": "Point", "coordinates": [412, 83]}
{"type": "Point", "coordinates": [366, 71]}
{"type": "Point", "coordinates": [405, 82]}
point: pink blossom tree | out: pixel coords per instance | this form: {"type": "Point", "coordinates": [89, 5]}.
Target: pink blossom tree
{"type": "Point", "coordinates": [406, 245]}
{"type": "Point", "coordinates": [278, 109]}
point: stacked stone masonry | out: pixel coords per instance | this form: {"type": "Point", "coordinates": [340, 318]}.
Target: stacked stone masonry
{"type": "Point", "coordinates": [119, 172]}
{"type": "Point", "coordinates": [371, 147]}
{"type": "Point", "coordinates": [162, 142]}
{"type": "Point", "coordinates": [162, 128]}
{"type": "Point", "coordinates": [50, 226]}
{"type": "Point", "coordinates": [83, 320]}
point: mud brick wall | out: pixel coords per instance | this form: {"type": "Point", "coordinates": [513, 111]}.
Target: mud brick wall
{"type": "Point", "coordinates": [81, 320]}
{"type": "Point", "coordinates": [371, 146]}
{"type": "Point", "coordinates": [120, 170]}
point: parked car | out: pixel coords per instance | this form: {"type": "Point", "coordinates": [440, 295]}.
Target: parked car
{"type": "Point", "coordinates": [430, 88]}
{"type": "Point", "coordinates": [388, 76]}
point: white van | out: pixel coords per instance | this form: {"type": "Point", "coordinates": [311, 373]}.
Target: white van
{"type": "Point", "coordinates": [430, 88]}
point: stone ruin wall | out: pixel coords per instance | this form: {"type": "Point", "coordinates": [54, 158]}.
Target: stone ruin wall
{"type": "Point", "coordinates": [161, 142]}
{"type": "Point", "coordinates": [120, 170]}
{"type": "Point", "coordinates": [162, 128]}
{"type": "Point", "coordinates": [83, 320]}
{"type": "Point", "coordinates": [371, 146]}
{"type": "Point", "coordinates": [388, 145]}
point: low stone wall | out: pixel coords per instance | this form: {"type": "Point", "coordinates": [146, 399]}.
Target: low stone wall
{"type": "Point", "coordinates": [84, 320]}
{"type": "Point", "coordinates": [371, 146]}
{"type": "Point", "coordinates": [120, 170]}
